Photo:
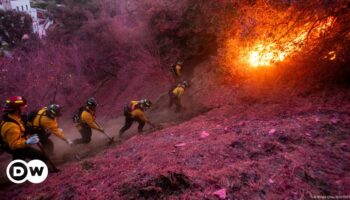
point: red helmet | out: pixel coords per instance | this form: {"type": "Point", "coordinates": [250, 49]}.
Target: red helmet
{"type": "Point", "coordinates": [14, 103]}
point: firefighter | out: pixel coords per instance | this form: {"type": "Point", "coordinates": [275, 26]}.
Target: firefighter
{"type": "Point", "coordinates": [135, 111]}
{"type": "Point", "coordinates": [177, 70]}
{"type": "Point", "coordinates": [86, 122]}
{"type": "Point", "coordinates": [175, 95]}
{"type": "Point", "coordinates": [14, 138]}
{"type": "Point", "coordinates": [45, 123]}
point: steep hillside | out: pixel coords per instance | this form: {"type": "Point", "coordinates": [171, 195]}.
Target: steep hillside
{"type": "Point", "coordinates": [266, 116]}
{"type": "Point", "coordinates": [263, 148]}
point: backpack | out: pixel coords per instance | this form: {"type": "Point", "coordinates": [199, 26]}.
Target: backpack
{"type": "Point", "coordinates": [29, 123]}
{"type": "Point", "coordinates": [77, 115]}
{"type": "Point", "coordinates": [31, 116]}
{"type": "Point", "coordinates": [127, 109]}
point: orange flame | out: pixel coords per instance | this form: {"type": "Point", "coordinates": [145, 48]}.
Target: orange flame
{"type": "Point", "coordinates": [266, 53]}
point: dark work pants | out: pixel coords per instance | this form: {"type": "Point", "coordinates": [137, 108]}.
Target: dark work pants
{"type": "Point", "coordinates": [86, 134]}
{"type": "Point", "coordinates": [47, 143]}
{"type": "Point", "coordinates": [129, 121]}
{"type": "Point", "coordinates": [175, 100]}
{"type": "Point", "coordinates": [28, 153]}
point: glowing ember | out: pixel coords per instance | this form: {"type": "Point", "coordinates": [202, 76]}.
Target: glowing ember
{"type": "Point", "coordinates": [266, 53]}
{"type": "Point", "coordinates": [331, 55]}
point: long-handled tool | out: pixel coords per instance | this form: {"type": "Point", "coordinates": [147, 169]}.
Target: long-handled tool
{"type": "Point", "coordinates": [108, 136]}
{"type": "Point", "coordinates": [55, 169]}
{"type": "Point", "coordinates": [111, 139]}
{"type": "Point", "coordinates": [71, 144]}
{"type": "Point", "coordinates": [76, 154]}
{"type": "Point", "coordinates": [155, 127]}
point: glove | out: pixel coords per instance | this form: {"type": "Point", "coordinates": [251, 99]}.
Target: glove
{"type": "Point", "coordinates": [34, 139]}
{"type": "Point", "coordinates": [69, 141]}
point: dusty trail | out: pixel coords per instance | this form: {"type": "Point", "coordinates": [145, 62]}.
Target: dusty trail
{"type": "Point", "coordinates": [160, 114]}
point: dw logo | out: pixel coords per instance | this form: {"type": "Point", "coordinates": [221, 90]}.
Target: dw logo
{"type": "Point", "coordinates": [18, 171]}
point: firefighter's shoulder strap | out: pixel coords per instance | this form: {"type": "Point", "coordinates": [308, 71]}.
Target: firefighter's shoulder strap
{"type": "Point", "coordinates": [77, 115]}
{"type": "Point", "coordinates": [32, 115]}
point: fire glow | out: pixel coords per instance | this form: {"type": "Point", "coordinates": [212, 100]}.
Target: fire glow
{"type": "Point", "coordinates": [265, 53]}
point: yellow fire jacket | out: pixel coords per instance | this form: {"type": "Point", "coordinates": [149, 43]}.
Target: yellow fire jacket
{"type": "Point", "coordinates": [48, 124]}
{"type": "Point", "coordinates": [139, 114]}
{"type": "Point", "coordinates": [88, 117]}
{"type": "Point", "coordinates": [11, 133]}
{"type": "Point", "coordinates": [133, 104]}
{"type": "Point", "coordinates": [178, 91]}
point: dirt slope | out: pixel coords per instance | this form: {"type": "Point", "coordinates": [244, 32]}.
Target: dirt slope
{"type": "Point", "coordinates": [255, 148]}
